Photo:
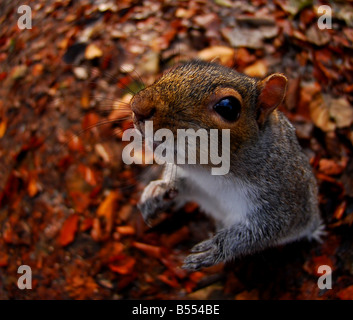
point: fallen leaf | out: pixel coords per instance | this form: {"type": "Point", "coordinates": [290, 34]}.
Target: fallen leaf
{"type": "Point", "coordinates": [75, 143]}
{"type": "Point", "coordinates": [258, 69]}
{"type": "Point", "coordinates": [346, 293]}
{"type": "Point", "coordinates": [3, 125]}
{"type": "Point", "coordinates": [331, 167]}
{"type": "Point", "coordinates": [126, 230]}
{"type": "Point", "coordinates": [341, 111]}
{"type": "Point", "coordinates": [123, 266]}
{"type": "Point", "coordinates": [4, 259]}
{"type": "Point", "coordinates": [249, 37]}
{"type": "Point", "coordinates": [223, 54]}
{"type": "Point", "coordinates": [37, 69]}
{"type": "Point", "coordinates": [294, 6]}
{"type": "Point", "coordinates": [85, 99]}
{"type": "Point", "coordinates": [81, 73]}
{"type": "Point", "coordinates": [292, 94]}
{"type": "Point", "coordinates": [312, 266]}
{"type": "Point", "coordinates": [88, 174]}
{"type": "Point", "coordinates": [224, 3]}
{"type": "Point", "coordinates": [68, 230]}
{"type": "Point", "coordinates": [18, 72]}
{"type": "Point", "coordinates": [339, 212]}
{"type": "Point", "coordinates": [86, 224]}
{"type": "Point", "coordinates": [81, 200]}
{"type": "Point", "coordinates": [169, 279]}
{"type": "Point", "coordinates": [103, 224]}
{"type": "Point", "coordinates": [32, 187]}
{"type": "Point", "coordinates": [185, 13]}
{"type": "Point", "coordinates": [317, 36]}
{"type": "Point", "coordinates": [153, 251]}
{"type": "Point", "coordinates": [92, 52]}
{"type": "Point", "coordinates": [320, 114]}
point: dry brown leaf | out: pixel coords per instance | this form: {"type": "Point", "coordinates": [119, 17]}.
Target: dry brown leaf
{"type": "Point", "coordinates": [223, 54]}
{"type": "Point", "coordinates": [250, 38]}
{"type": "Point", "coordinates": [317, 36]}
{"type": "Point", "coordinates": [341, 111]}
{"type": "Point", "coordinates": [320, 114]}
{"type": "Point", "coordinates": [18, 72]}
{"type": "Point", "coordinates": [92, 51]}
{"type": "Point", "coordinates": [258, 69]}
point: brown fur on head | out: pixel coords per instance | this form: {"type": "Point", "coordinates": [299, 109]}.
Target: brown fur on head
{"type": "Point", "coordinates": [184, 98]}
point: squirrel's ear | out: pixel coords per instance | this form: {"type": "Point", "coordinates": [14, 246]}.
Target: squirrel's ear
{"type": "Point", "coordinates": [272, 92]}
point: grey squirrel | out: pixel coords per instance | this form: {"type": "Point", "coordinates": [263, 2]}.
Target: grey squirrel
{"type": "Point", "coordinates": [269, 196]}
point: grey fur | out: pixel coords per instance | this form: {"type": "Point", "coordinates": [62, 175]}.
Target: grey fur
{"type": "Point", "coordinates": [284, 206]}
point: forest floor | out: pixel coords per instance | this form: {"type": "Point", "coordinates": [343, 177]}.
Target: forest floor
{"type": "Point", "coordinates": [68, 202]}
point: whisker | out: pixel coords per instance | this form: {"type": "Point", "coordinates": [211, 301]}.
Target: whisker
{"type": "Point", "coordinates": [138, 76]}
{"type": "Point", "coordinates": [95, 125]}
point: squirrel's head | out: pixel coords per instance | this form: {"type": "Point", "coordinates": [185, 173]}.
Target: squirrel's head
{"type": "Point", "coordinates": [207, 95]}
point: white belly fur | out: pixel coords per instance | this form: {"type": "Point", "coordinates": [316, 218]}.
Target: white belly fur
{"type": "Point", "coordinates": [227, 201]}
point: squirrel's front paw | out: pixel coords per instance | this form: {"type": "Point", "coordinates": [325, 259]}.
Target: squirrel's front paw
{"type": "Point", "coordinates": [156, 197]}
{"type": "Point", "coordinates": [205, 254]}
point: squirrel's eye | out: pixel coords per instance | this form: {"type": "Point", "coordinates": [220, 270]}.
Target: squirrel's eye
{"type": "Point", "coordinates": [228, 108]}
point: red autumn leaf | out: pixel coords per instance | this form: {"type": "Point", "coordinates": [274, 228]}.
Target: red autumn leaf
{"type": "Point", "coordinates": [174, 267]}
{"type": "Point", "coordinates": [169, 279]}
{"type": "Point", "coordinates": [330, 167]}
{"type": "Point", "coordinates": [126, 230]}
{"type": "Point", "coordinates": [4, 257]}
{"type": "Point", "coordinates": [85, 99]}
{"type": "Point", "coordinates": [32, 187]}
{"type": "Point", "coordinates": [148, 249]}
{"type": "Point", "coordinates": [7, 233]}
{"type": "Point", "coordinates": [68, 230]}
{"type": "Point", "coordinates": [88, 174]}
{"type": "Point", "coordinates": [111, 252]}
{"type": "Point", "coordinates": [75, 143]}
{"type": "Point", "coordinates": [86, 224]}
{"type": "Point", "coordinates": [123, 266]}
{"type": "Point", "coordinates": [313, 265]}
{"type": "Point", "coordinates": [107, 208]}
{"type": "Point", "coordinates": [90, 120]}
{"type": "Point", "coordinates": [346, 294]}
{"type": "Point", "coordinates": [3, 126]}
{"type": "Point", "coordinates": [3, 75]}
{"type": "Point", "coordinates": [338, 214]}
{"type": "Point", "coordinates": [80, 199]}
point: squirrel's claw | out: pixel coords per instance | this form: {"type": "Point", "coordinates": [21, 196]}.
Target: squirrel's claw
{"type": "Point", "coordinates": [156, 198]}
{"type": "Point", "coordinates": [205, 254]}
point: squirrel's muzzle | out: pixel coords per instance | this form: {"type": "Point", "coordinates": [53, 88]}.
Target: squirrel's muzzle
{"type": "Point", "coordinates": [142, 108]}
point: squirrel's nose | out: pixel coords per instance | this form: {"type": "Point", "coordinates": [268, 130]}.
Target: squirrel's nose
{"type": "Point", "coordinates": [142, 109]}
{"type": "Point", "coordinates": [142, 114]}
